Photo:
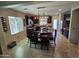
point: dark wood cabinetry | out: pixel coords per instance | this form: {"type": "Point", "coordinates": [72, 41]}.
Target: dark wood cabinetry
{"type": "Point", "coordinates": [26, 20]}
{"type": "Point", "coordinates": [65, 27]}
{"type": "Point", "coordinates": [35, 19]}
{"type": "Point", "coordinates": [49, 19]}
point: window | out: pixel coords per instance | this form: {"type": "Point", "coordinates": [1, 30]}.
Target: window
{"type": "Point", "coordinates": [16, 24]}
{"type": "Point", "coordinates": [55, 24]}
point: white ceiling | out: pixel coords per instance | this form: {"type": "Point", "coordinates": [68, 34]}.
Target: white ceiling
{"type": "Point", "coordinates": [52, 7]}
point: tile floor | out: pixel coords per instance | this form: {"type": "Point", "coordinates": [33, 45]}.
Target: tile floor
{"type": "Point", "coordinates": [63, 49]}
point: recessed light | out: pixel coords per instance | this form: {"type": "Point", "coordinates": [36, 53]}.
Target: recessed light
{"type": "Point", "coordinates": [60, 9]}
{"type": "Point", "coordinates": [25, 9]}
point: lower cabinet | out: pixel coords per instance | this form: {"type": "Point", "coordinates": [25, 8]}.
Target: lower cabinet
{"type": "Point", "coordinates": [0, 50]}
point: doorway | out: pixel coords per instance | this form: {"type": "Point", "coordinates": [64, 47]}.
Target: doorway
{"type": "Point", "coordinates": [74, 27]}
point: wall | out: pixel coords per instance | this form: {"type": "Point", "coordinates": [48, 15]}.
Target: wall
{"type": "Point", "coordinates": [57, 18]}
{"type": "Point", "coordinates": [2, 41]}
{"type": "Point", "coordinates": [6, 37]}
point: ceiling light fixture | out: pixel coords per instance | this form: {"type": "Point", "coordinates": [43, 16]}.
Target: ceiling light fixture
{"type": "Point", "coordinates": [60, 9]}
{"type": "Point", "coordinates": [38, 16]}
{"type": "Point", "coordinates": [40, 7]}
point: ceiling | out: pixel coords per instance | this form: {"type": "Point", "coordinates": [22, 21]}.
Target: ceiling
{"type": "Point", "coordinates": [50, 7]}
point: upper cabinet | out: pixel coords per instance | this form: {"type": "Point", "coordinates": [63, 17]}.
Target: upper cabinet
{"type": "Point", "coordinates": [65, 25]}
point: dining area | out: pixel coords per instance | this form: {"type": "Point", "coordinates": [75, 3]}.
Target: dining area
{"type": "Point", "coordinates": [41, 37]}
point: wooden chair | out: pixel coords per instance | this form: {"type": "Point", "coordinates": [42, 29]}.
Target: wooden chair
{"type": "Point", "coordinates": [54, 36]}
{"type": "Point", "coordinates": [44, 40]}
{"type": "Point", "coordinates": [29, 33]}
{"type": "Point", "coordinates": [33, 39]}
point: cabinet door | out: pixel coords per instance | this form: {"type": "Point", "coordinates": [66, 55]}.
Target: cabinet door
{"type": "Point", "coordinates": [0, 50]}
{"type": "Point", "coordinates": [49, 19]}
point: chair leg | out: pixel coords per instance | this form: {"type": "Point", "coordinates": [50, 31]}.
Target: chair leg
{"type": "Point", "coordinates": [30, 45]}
{"type": "Point", "coordinates": [47, 48]}
{"type": "Point", "coordinates": [35, 45]}
{"type": "Point", "coordinates": [54, 43]}
{"type": "Point", "coordinates": [41, 46]}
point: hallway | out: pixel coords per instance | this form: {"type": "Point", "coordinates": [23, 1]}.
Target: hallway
{"type": "Point", "coordinates": [63, 49]}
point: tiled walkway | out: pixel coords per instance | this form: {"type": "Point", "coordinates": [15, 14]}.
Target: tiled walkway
{"type": "Point", "coordinates": [63, 49]}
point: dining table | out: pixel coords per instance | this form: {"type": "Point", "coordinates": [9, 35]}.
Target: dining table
{"type": "Point", "coordinates": [47, 34]}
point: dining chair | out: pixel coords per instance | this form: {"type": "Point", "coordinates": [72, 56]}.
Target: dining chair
{"type": "Point", "coordinates": [29, 33]}
{"type": "Point", "coordinates": [44, 40]}
{"type": "Point", "coordinates": [54, 37]}
{"type": "Point", "coordinates": [33, 39]}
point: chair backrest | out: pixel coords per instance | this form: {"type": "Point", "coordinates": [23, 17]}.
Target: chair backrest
{"type": "Point", "coordinates": [37, 28]}
{"type": "Point", "coordinates": [55, 34]}
{"type": "Point", "coordinates": [45, 40]}
{"type": "Point", "coordinates": [44, 37]}
{"type": "Point", "coordinates": [43, 34]}
{"type": "Point", "coordinates": [29, 32]}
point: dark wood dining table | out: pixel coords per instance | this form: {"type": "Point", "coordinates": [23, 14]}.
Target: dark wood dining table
{"type": "Point", "coordinates": [44, 38]}
{"type": "Point", "coordinates": [49, 34]}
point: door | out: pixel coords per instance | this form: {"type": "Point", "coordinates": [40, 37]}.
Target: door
{"type": "Point", "coordinates": [74, 26]}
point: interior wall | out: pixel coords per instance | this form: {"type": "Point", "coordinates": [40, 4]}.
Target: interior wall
{"type": "Point", "coordinates": [2, 41]}
{"type": "Point", "coordinates": [55, 17]}
{"type": "Point", "coordinates": [6, 37]}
